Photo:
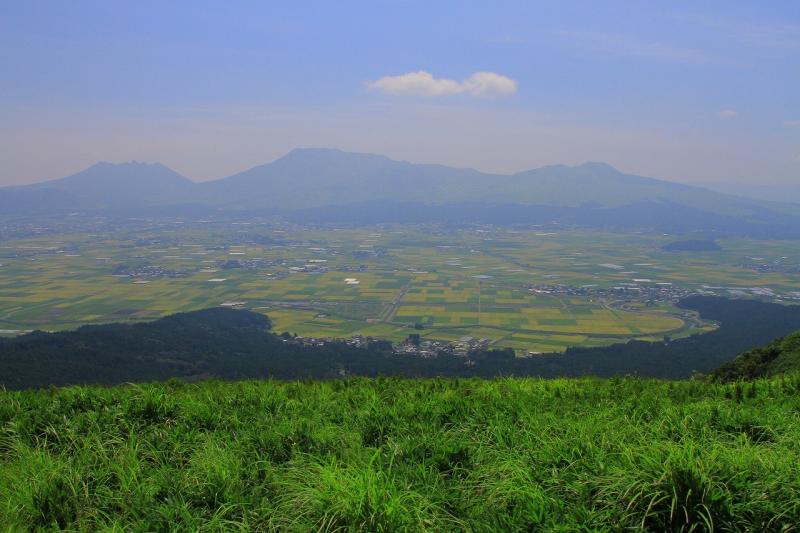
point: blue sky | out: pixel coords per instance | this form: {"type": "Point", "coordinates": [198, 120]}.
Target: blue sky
{"type": "Point", "coordinates": [699, 92]}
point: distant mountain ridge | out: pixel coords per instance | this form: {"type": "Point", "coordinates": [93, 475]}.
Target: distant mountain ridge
{"type": "Point", "coordinates": [315, 178]}
{"type": "Point", "coordinates": [106, 185]}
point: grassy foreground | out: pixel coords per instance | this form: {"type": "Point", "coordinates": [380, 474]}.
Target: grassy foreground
{"type": "Point", "coordinates": [394, 454]}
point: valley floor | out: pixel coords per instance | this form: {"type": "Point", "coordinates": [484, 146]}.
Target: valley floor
{"type": "Point", "coordinates": [395, 454]}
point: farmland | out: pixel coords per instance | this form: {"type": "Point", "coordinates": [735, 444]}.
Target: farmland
{"type": "Point", "coordinates": [380, 281]}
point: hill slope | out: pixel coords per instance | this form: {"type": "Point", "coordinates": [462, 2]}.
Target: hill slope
{"type": "Point", "coordinates": [403, 455]}
{"type": "Point", "coordinates": [779, 357]}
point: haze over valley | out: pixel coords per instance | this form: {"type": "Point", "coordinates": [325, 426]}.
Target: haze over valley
{"type": "Point", "coordinates": [328, 185]}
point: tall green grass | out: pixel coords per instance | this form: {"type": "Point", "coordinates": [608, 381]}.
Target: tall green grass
{"type": "Point", "coordinates": [404, 455]}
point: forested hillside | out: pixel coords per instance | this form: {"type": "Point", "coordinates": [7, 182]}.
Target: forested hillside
{"type": "Point", "coordinates": [779, 357]}
{"type": "Point", "coordinates": [237, 344]}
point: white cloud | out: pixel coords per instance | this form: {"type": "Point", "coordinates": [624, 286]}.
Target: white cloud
{"type": "Point", "coordinates": [791, 123]}
{"type": "Point", "coordinates": [423, 83]}
{"type": "Point", "coordinates": [419, 83]}
{"type": "Point", "coordinates": [489, 84]}
{"type": "Point", "coordinates": [728, 113]}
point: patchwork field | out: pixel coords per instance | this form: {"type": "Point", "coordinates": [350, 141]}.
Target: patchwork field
{"type": "Point", "coordinates": [380, 282]}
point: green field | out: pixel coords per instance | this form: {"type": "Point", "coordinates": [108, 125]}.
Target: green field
{"type": "Point", "coordinates": [404, 455]}
{"type": "Point", "coordinates": [404, 276]}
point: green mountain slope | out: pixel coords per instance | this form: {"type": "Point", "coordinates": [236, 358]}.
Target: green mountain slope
{"type": "Point", "coordinates": [779, 357]}
{"type": "Point", "coordinates": [403, 455]}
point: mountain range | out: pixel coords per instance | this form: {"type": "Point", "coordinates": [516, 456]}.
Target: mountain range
{"type": "Point", "coordinates": [328, 184]}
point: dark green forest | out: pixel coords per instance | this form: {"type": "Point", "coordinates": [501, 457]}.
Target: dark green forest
{"type": "Point", "coordinates": [781, 356]}
{"type": "Point", "coordinates": [236, 344]}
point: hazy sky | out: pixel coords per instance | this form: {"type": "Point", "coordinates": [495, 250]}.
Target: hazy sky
{"type": "Point", "coordinates": [700, 92]}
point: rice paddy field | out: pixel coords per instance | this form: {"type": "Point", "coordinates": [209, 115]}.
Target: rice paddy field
{"type": "Point", "coordinates": [380, 282]}
{"type": "Point", "coordinates": [403, 455]}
